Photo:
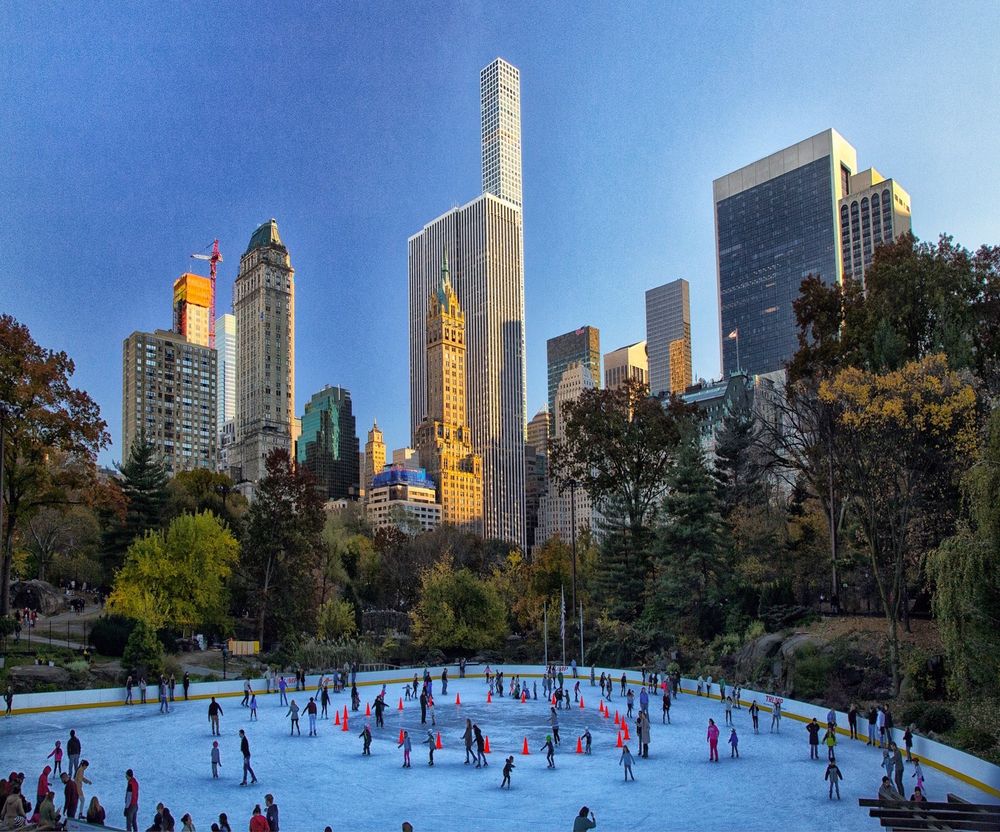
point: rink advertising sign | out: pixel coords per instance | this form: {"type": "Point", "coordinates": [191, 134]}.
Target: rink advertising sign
{"type": "Point", "coordinates": [773, 700]}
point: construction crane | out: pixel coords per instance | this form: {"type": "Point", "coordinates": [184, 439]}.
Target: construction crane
{"type": "Point", "coordinates": [213, 259]}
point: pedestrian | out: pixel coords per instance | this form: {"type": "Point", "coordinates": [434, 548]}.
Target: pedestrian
{"type": "Point", "coordinates": [131, 802]}
{"type": "Point", "coordinates": [813, 729]}
{"type": "Point", "coordinates": [852, 720]}
{"type": "Point", "coordinates": [73, 752]}
{"type": "Point", "coordinates": [245, 751]}
{"type": "Point", "coordinates": [776, 717]}
{"type": "Point", "coordinates": [271, 813]}
{"type": "Point", "coordinates": [908, 742]}
{"type": "Point", "coordinates": [755, 716]}
{"type": "Point", "coordinates": [405, 745]}
{"type": "Point", "coordinates": [830, 741]}
{"type": "Point", "coordinates": [429, 742]}
{"type": "Point", "coordinates": [834, 776]}
{"type": "Point", "coordinates": [550, 751]}
{"type": "Point", "coordinates": [626, 760]}
{"type": "Point", "coordinates": [366, 737]}
{"type": "Point", "coordinates": [508, 767]}
{"type": "Point", "coordinates": [467, 738]}
{"type": "Point", "coordinates": [587, 738]}
{"type": "Point", "coordinates": [480, 747]}
{"type": "Point", "coordinates": [186, 682]}
{"type": "Point", "coordinates": [582, 823]}
{"type": "Point", "coordinates": [216, 759]}
{"type": "Point", "coordinates": [311, 711]}
{"type": "Point", "coordinates": [713, 741]}
{"type": "Point", "coordinates": [734, 744]}
{"type": "Point", "coordinates": [56, 754]}
{"type": "Point", "coordinates": [293, 712]}
{"type": "Point", "coordinates": [253, 707]}
{"type": "Point", "coordinates": [81, 780]}
{"type": "Point", "coordinates": [666, 707]}
{"type": "Point", "coordinates": [214, 712]}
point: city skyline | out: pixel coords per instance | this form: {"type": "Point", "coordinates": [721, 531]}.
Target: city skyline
{"type": "Point", "coordinates": [605, 209]}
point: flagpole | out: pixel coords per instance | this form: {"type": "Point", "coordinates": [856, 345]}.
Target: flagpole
{"type": "Point", "coordinates": [545, 630]}
{"type": "Point", "coordinates": [582, 661]}
{"type": "Point", "coordinates": [562, 625]}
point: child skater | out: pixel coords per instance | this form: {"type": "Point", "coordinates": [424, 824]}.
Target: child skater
{"type": "Point", "coordinates": [429, 742]}
{"type": "Point", "coordinates": [550, 751]}
{"type": "Point", "coordinates": [216, 760]}
{"type": "Point", "coordinates": [508, 767]}
{"type": "Point", "coordinates": [734, 742]}
{"type": "Point", "coordinates": [406, 746]}
{"type": "Point", "coordinates": [56, 754]}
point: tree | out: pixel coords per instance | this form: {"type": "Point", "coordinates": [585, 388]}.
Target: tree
{"type": "Point", "coordinates": [200, 489]}
{"type": "Point", "coordinates": [40, 413]}
{"type": "Point", "coordinates": [282, 545]}
{"type": "Point", "coordinates": [903, 432]}
{"type": "Point", "coordinates": [143, 483]}
{"type": "Point", "coordinates": [738, 472]}
{"type": "Point", "coordinates": [336, 618]}
{"type": "Point", "coordinates": [965, 572]}
{"type": "Point", "coordinates": [691, 566]}
{"type": "Point", "coordinates": [178, 578]}
{"type": "Point", "coordinates": [143, 651]}
{"type": "Point", "coordinates": [457, 610]}
{"type": "Point", "coordinates": [66, 531]}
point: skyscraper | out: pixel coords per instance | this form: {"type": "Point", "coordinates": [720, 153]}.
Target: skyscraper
{"type": "Point", "coordinates": [169, 389]}
{"type": "Point", "coordinates": [776, 222]}
{"type": "Point", "coordinates": [581, 346]}
{"type": "Point", "coordinates": [374, 456]}
{"type": "Point", "coordinates": [225, 346]}
{"type": "Point", "coordinates": [264, 307]}
{"type": "Point", "coordinates": [328, 444]}
{"type": "Point", "coordinates": [443, 437]}
{"type": "Point", "coordinates": [484, 244]}
{"type": "Point", "coordinates": [535, 465]}
{"type": "Point", "coordinates": [625, 363]}
{"type": "Point", "coordinates": [875, 211]}
{"type": "Point", "coordinates": [192, 305]}
{"type": "Point", "coordinates": [668, 337]}
{"type": "Point", "coordinates": [500, 95]}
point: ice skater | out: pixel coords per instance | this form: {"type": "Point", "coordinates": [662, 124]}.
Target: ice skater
{"type": "Point", "coordinates": [8, 699]}
{"type": "Point", "coordinates": [245, 751]}
{"type": "Point", "coordinates": [713, 741]}
{"type": "Point", "coordinates": [245, 702]}
{"type": "Point", "coordinates": [834, 776]}
{"type": "Point", "coordinates": [467, 738]}
{"type": "Point", "coordinates": [214, 712]}
{"type": "Point", "coordinates": [554, 722]}
{"type": "Point", "coordinates": [830, 741]}
{"type": "Point", "coordinates": [480, 747]}
{"type": "Point", "coordinates": [429, 742]}
{"type": "Point", "coordinates": [729, 710]}
{"type": "Point", "coordinates": [734, 744]}
{"type": "Point", "coordinates": [666, 707]}
{"type": "Point", "coordinates": [253, 707]}
{"type": "Point", "coordinates": [379, 712]}
{"type": "Point", "coordinates": [56, 754]}
{"type": "Point", "coordinates": [755, 716]}
{"type": "Point", "coordinates": [626, 760]}
{"type": "Point", "coordinates": [908, 742]}
{"type": "Point", "coordinates": [216, 759]}
{"type": "Point", "coordinates": [311, 711]}
{"type": "Point", "coordinates": [586, 737]}
{"type": "Point", "coordinates": [406, 746]}
{"type": "Point", "coordinates": [550, 751]}
{"type": "Point", "coordinates": [508, 767]}
{"type": "Point", "coordinates": [366, 736]}
{"type": "Point", "coordinates": [630, 702]}
{"type": "Point", "coordinates": [918, 772]}
{"type": "Point", "coordinates": [293, 712]}
{"type": "Point", "coordinates": [324, 701]}
{"type": "Point", "coordinates": [282, 690]}
{"type": "Point", "coordinates": [813, 730]}
{"type": "Point", "coordinates": [775, 718]}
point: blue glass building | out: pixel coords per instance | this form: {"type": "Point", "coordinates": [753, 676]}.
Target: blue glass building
{"type": "Point", "coordinates": [328, 445]}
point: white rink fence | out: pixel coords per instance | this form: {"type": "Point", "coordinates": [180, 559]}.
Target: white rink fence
{"type": "Point", "coordinates": [978, 773]}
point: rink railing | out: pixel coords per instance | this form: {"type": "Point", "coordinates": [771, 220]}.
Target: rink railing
{"type": "Point", "coordinates": [959, 764]}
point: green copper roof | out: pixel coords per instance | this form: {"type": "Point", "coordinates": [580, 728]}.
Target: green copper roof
{"type": "Point", "coordinates": [445, 283]}
{"type": "Point", "coordinates": [266, 237]}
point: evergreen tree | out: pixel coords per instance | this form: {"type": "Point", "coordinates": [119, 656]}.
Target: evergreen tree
{"type": "Point", "coordinates": [737, 472]}
{"type": "Point", "coordinates": [690, 552]}
{"type": "Point", "coordinates": [144, 487]}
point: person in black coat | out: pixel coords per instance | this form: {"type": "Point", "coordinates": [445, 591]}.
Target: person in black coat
{"type": "Point", "coordinates": [423, 707]}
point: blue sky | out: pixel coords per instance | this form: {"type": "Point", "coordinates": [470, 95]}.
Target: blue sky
{"type": "Point", "coordinates": [133, 134]}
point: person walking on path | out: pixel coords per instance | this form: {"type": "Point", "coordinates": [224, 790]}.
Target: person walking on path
{"type": "Point", "coordinates": [216, 759]}
{"type": "Point", "coordinates": [550, 751]}
{"type": "Point", "coordinates": [776, 718]}
{"type": "Point", "coordinates": [666, 707]}
{"type": "Point", "coordinates": [311, 711]}
{"type": "Point", "coordinates": [480, 747]}
{"type": "Point", "coordinates": [713, 741]}
{"type": "Point", "coordinates": [830, 741]}
{"type": "Point", "coordinates": [293, 712]}
{"type": "Point", "coordinates": [406, 746]}
{"type": "Point", "coordinates": [214, 712]}
{"type": "Point", "coordinates": [467, 738]}
{"type": "Point", "coordinates": [734, 744]}
{"type": "Point", "coordinates": [131, 802]}
{"type": "Point", "coordinates": [834, 776]}
{"type": "Point", "coordinates": [897, 759]}
{"type": "Point", "coordinates": [626, 760]}
{"type": "Point", "coordinates": [813, 729]}
{"type": "Point", "coordinates": [429, 742]}
{"type": "Point", "coordinates": [508, 767]}
{"type": "Point", "coordinates": [366, 736]}
{"type": "Point", "coordinates": [73, 753]}
{"type": "Point", "coordinates": [582, 823]}
{"type": "Point", "coordinates": [81, 780]}
{"type": "Point", "coordinates": [245, 751]}
{"type": "Point", "coordinates": [852, 720]}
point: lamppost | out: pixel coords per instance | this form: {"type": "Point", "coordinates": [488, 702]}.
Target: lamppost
{"type": "Point", "coordinates": [572, 521]}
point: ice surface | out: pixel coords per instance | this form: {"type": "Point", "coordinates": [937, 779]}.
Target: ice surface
{"type": "Point", "coordinates": [324, 780]}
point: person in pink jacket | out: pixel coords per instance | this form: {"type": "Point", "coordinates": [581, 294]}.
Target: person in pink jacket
{"type": "Point", "coordinates": [713, 741]}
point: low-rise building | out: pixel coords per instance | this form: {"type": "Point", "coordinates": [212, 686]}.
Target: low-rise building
{"type": "Point", "coordinates": [403, 497]}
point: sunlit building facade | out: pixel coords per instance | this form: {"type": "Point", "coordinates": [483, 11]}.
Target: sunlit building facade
{"type": "Point", "coordinates": [668, 337]}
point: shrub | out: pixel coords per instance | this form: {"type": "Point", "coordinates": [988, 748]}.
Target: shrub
{"type": "Point", "coordinates": [974, 740]}
{"type": "Point", "coordinates": [811, 676]}
{"type": "Point", "coordinates": [143, 652]}
{"type": "Point", "coordinates": [936, 718]}
{"type": "Point", "coordinates": [110, 633]}
{"type": "Point", "coordinates": [336, 619]}
{"type": "Point", "coordinates": [912, 713]}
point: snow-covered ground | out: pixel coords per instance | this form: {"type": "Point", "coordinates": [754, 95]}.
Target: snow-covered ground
{"type": "Point", "coordinates": [324, 780]}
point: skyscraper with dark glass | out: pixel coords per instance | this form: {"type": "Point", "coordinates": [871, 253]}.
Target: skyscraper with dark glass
{"type": "Point", "coordinates": [328, 445]}
{"type": "Point", "coordinates": [581, 346]}
{"type": "Point", "coordinates": [668, 336]}
{"type": "Point", "coordinates": [776, 222]}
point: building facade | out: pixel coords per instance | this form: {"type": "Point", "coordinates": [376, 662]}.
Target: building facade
{"type": "Point", "coordinates": [582, 346]}
{"type": "Point", "coordinates": [443, 437]}
{"type": "Point", "coordinates": [500, 102]}
{"type": "Point", "coordinates": [169, 389]}
{"type": "Point", "coordinates": [264, 308]}
{"type": "Point", "coordinates": [374, 457]}
{"type": "Point", "coordinates": [776, 222]}
{"type": "Point", "coordinates": [328, 444]}
{"type": "Point", "coordinates": [225, 347]}
{"type": "Point", "coordinates": [630, 362]}
{"type": "Point", "coordinates": [405, 498]}
{"type": "Point", "coordinates": [875, 210]}
{"type": "Point", "coordinates": [668, 337]}
{"type": "Point", "coordinates": [192, 307]}
{"type": "Point", "coordinates": [535, 470]}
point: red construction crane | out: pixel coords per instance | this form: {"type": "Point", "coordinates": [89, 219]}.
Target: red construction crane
{"type": "Point", "coordinates": [212, 259]}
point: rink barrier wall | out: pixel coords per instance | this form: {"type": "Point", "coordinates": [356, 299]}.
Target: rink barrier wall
{"type": "Point", "coordinates": [971, 770]}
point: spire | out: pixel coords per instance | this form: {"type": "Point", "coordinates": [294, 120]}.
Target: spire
{"type": "Point", "coordinates": [445, 283]}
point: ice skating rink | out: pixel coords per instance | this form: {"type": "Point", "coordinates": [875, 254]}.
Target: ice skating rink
{"type": "Point", "coordinates": [324, 780]}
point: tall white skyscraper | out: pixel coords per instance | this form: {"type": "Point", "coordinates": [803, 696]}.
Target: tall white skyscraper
{"type": "Point", "coordinates": [264, 307]}
{"type": "Point", "coordinates": [500, 94]}
{"type": "Point", "coordinates": [225, 345]}
{"type": "Point", "coordinates": [484, 244]}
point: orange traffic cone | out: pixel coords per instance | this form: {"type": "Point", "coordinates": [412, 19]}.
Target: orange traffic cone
{"type": "Point", "coordinates": [345, 714]}
{"type": "Point", "coordinates": [619, 743]}
{"type": "Point", "coordinates": [486, 748]}
{"type": "Point", "coordinates": [553, 699]}
{"type": "Point", "coordinates": [368, 709]}
{"type": "Point", "coordinates": [625, 724]}
{"type": "Point", "coordinates": [400, 703]}
{"type": "Point", "coordinates": [524, 697]}
{"type": "Point", "coordinates": [581, 702]}
{"type": "Point", "coordinates": [458, 699]}
{"type": "Point", "coordinates": [437, 744]}
{"type": "Point", "coordinates": [336, 717]}
{"type": "Point", "coordinates": [400, 736]}
{"type": "Point", "coordinates": [525, 749]}
{"type": "Point", "coordinates": [617, 720]}
{"type": "Point", "coordinates": [489, 696]}
{"type": "Point", "coordinates": [344, 726]}
{"type": "Point", "coordinates": [579, 745]}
